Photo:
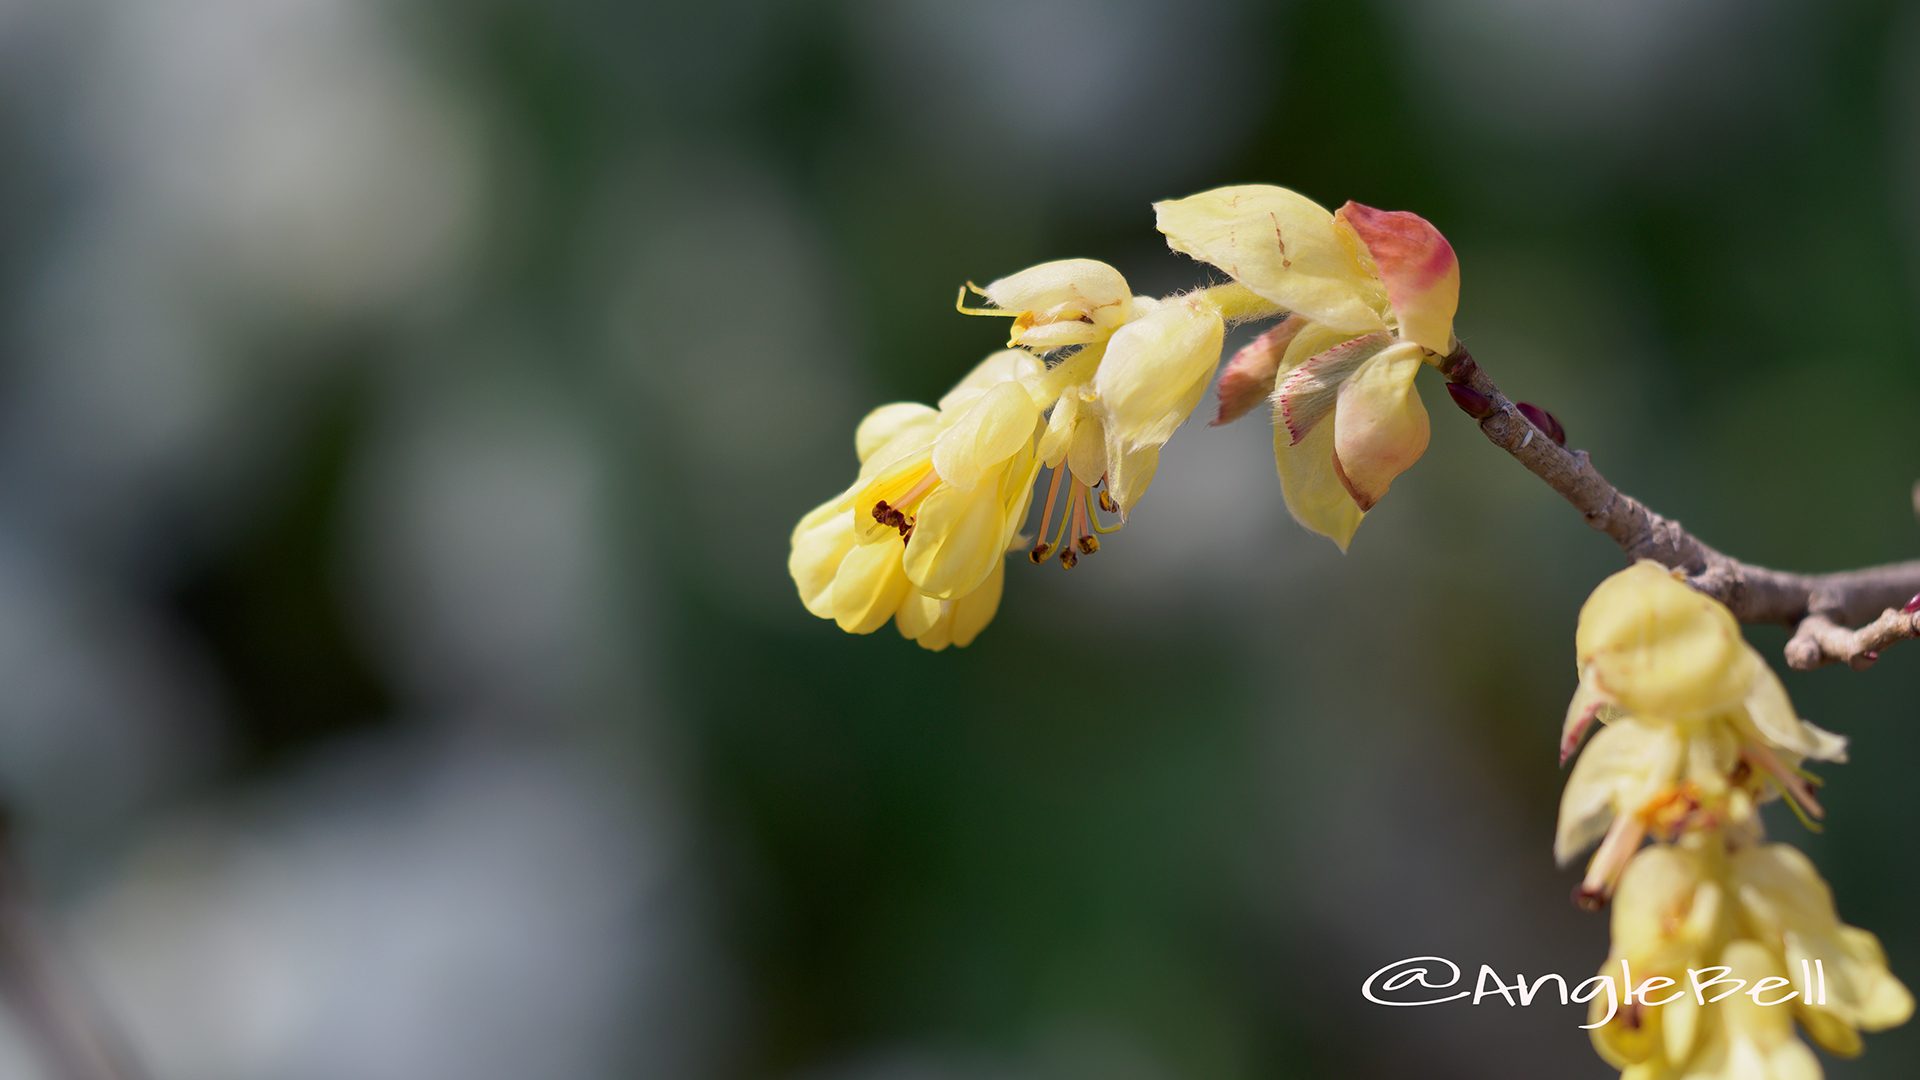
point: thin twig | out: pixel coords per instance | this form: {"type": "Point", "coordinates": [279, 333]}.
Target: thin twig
{"type": "Point", "coordinates": [1755, 594]}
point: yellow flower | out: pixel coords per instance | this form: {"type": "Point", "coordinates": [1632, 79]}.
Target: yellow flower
{"type": "Point", "coordinates": [1136, 370]}
{"type": "Point", "coordinates": [1742, 1038]}
{"type": "Point", "coordinates": [1057, 304]}
{"type": "Point", "coordinates": [920, 536]}
{"type": "Point", "coordinates": [1698, 728]}
{"type": "Point", "coordinates": [1788, 908]}
{"type": "Point", "coordinates": [1671, 916]}
{"type": "Point", "coordinates": [955, 490]}
{"type": "Point", "coordinates": [1762, 912]}
{"type": "Point", "coordinates": [1372, 295]}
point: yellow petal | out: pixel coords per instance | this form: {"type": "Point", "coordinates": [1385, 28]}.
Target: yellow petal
{"type": "Point", "coordinates": [1156, 370]}
{"type": "Point", "coordinates": [1661, 649]}
{"type": "Point", "coordinates": [819, 543]}
{"type": "Point", "coordinates": [1380, 426]}
{"type": "Point", "coordinates": [889, 422]}
{"type": "Point", "coordinates": [1281, 245]}
{"type": "Point", "coordinates": [1775, 720]}
{"type": "Point", "coordinates": [935, 624]}
{"type": "Point", "coordinates": [1060, 428]}
{"type": "Point", "coordinates": [1624, 765]}
{"type": "Point", "coordinates": [957, 538]}
{"type": "Point", "coordinates": [1007, 365]}
{"type": "Point", "coordinates": [986, 433]}
{"type": "Point", "coordinates": [1129, 472]}
{"type": "Point", "coordinates": [1418, 267]}
{"type": "Point", "coordinates": [868, 588]}
{"type": "Point", "coordinates": [1790, 908]}
{"type": "Point", "coordinates": [1315, 497]}
{"type": "Point", "coordinates": [1087, 456]}
{"type": "Point", "coordinates": [1078, 285]}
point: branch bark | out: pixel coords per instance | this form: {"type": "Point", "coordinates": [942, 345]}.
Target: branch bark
{"type": "Point", "coordinates": [1820, 606]}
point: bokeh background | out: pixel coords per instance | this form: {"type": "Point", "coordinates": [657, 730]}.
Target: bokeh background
{"type": "Point", "coordinates": [404, 407]}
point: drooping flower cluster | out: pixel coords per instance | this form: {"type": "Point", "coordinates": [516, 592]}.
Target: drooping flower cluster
{"type": "Point", "coordinates": [1695, 732]}
{"type": "Point", "coordinates": [1094, 382]}
{"type": "Point", "coordinates": [921, 535]}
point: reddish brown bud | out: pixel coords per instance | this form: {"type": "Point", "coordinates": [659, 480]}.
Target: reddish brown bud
{"type": "Point", "coordinates": [1543, 420]}
{"type": "Point", "coordinates": [1471, 401]}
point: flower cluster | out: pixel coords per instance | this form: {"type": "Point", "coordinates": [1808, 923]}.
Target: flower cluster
{"type": "Point", "coordinates": [1694, 733]}
{"type": "Point", "coordinates": [1372, 295]}
{"type": "Point", "coordinates": [921, 535]}
{"type": "Point", "coordinates": [1095, 380]}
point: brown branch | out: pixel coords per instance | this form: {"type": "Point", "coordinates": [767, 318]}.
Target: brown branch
{"type": "Point", "coordinates": [1820, 640]}
{"type": "Point", "coordinates": [1755, 594]}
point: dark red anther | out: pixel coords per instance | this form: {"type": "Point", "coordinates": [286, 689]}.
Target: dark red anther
{"type": "Point", "coordinates": [1471, 401]}
{"type": "Point", "coordinates": [1543, 420]}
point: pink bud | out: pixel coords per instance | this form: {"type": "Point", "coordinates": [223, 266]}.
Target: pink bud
{"type": "Point", "coordinates": [1913, 605]}
{"type": "Point", "coordinates": [1543, 420]}
{"type": "Point", "coordinates": [1471, 401]}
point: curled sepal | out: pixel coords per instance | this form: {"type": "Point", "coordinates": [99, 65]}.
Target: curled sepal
{"type": "Point", "coordinates": [1248, 378]}
{"type": "Point", "coordinates": [1282, 246]}
{"type": "Point", "coordinates": [1582, 711]}
{"type": "Point", "coordinates": [1418, 267]}
{"type": "Point", "coordinates": [1380, 427]}
{"type": "Point", "coordinates": [1310, 390]}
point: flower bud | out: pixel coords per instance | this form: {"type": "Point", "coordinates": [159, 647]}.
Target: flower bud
{"type": "Point", "coordinates": [1471, 401]}
{"type": "Point", "coordinates": [1543, 420]}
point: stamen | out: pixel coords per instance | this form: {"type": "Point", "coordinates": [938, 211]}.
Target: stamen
{"type": "Point", "coordinates": [1082, 536]}
{"type": "Point", "coordinates": [1067, 555]}
{"type": "Point", "coordinates": [1060, 537]}
{"type": "Point", "coordinates": [1040, 545]}
{"type": "Point", "coordinates": [1111, 507]}
{"type": "Point", "coordinates": [1794, 786]}
{"type": "Point", "coordinates": [899, 515]}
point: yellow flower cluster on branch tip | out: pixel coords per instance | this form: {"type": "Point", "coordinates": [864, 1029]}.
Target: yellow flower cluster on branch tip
{"type": "Point", "coordinates": [1096, 379]}
{"type": "Point", "coordinates": [1372, 295]}
{"type": "Point", "coordinates": [1694, 732]}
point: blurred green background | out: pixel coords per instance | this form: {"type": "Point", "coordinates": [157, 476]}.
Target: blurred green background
{"type": "Point", "coordinates": [404, 407]}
